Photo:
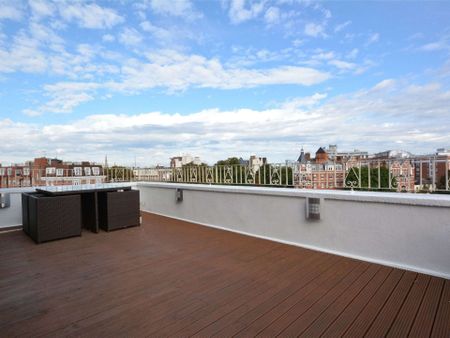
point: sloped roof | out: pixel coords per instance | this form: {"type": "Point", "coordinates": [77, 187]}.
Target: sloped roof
{"type": "Point", "coordinates": [321, 151]}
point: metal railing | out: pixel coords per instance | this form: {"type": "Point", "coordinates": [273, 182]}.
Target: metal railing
{"type": "Point", "coordinates": [400, 175]}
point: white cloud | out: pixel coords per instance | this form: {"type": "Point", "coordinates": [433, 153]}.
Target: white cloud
{"type": "Point", "coordinates": [341, 26]}
{"type": "Point", "coordinates": [172, 36]}
{"type": "Point", "coordinates": [41, 8]}
{"type": "Point", "coordinates": [24, 55]}
{"type": "Point", "coordinates": [344, 65]}
{"type": "Point", "coordinates": [10, 10]}
{"type": "Point", "coordinates": [416, 116]}
{"type": "Point", "coordinates": [177, 71]}
{"type": "Point", "coordinates": [31, 112]}
{"type": "Point", "coordinates": [64, 97]}
{"type": "Point", "coordinates": [272, 15]}
{"type": "Point", "coordinates": [179, 8]}
{"type": "Point", "coordinates": [324, 55]}
{"type": "Point", "coordinates": [89, 15]}
{"type": "Point", "coordinates": [130, 37]}
{"type": "Point", "coordinates": [373, 38]}
{"type": "Point", "coordinates": [385, 84]}
{"type": "Point", "coordinates": [44, 34]}
{"type": "Point", "coordinates": [443, 44]}
{"type": "Point", "coordinates": [303, 102]}
{"type": "Point", "coordinates": [174, 72]}
{"type": "Point", "coordinates": [314, 30]}
{"type": "Point", "coordinates": [241, 10]}
{"type": "Point", "coordinates": [353, 53]}
{"type": "Point", "coordinates": [108, 38]}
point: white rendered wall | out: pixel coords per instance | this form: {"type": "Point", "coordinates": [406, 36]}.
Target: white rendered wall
{"type": "Point", "coordinates": [12, 216]}
{"type": "Point", "coordinates": [402, 230]}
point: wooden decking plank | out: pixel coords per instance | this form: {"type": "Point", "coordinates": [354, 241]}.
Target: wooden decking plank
{"type": "Point", "coordinates": [220, 307]}
{"type": "Point", "coordinates": [279, 292]}
{"type": "Point", "coordinates": [175, 278]}
{"type": "Point", "coordinates": [424, 320]}
{"type": "Point", "coordinates": [281, 297]}
{"type": "Point", "coordinates": [364, 318]}
{"type": "Point", "coordinates": [309, 297]}
{"type": "Point", "coordinates": [305, 319]}
{"type": "Point", "coordinates": [164, 279]}
{"type": "Point", "coordinates": [405, 317]}
{"type": "Point", "coordinates": [380, 327]}
{"type": "Point", "coordinates": [277, 310]}
{"type": "Point", "coordinates": [123, 305]}
{"type": "Point", "coordinates": [441, 326]}
{"type": "Point", "coordinates": [169, 308]}
{"type": "Point", "coordinates": [321, 322]}
{"type": "Point", "coordinates": [347, 317]}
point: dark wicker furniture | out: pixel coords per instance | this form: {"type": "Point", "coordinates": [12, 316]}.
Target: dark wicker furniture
{"type": "Point", "coordinates": [49, 218]}
{"type": "Point", "coordinates": [91, 208]}
{"type": "Point", "coordinates": [118, 209]}
{"type": "Point", "coordinates": [107, 206]}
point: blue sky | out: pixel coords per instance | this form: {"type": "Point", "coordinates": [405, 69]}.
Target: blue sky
{"type": "Point", "coordinates": [153, 79]}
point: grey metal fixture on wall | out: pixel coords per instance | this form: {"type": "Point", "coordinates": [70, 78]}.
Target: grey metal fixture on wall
{"type": "Point", "coordinates": [5, 201]}
{"type": "Point", "coordinates": [313, 208]}
{"type": "Point", "coordinates": [179, 195]}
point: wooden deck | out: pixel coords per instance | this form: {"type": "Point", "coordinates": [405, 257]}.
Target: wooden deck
{"type": "Point", "coordinates": [172, 278]}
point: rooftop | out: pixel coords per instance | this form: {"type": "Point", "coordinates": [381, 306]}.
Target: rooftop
{"type": "Point", "coordinates": [170, 277]}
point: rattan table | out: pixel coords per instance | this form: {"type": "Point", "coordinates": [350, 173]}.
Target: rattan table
{"type": "Point", "coordinates": [93, 205]}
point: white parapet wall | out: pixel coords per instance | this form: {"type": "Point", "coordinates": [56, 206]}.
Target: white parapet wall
{"type": "Point", "coordinates": [12, 216]}
{"type": "Point", "coordinates": [410, 231]}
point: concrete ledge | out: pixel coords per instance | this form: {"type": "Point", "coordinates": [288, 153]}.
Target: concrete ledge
{"type": "Point", "coordinates": [434, 200]}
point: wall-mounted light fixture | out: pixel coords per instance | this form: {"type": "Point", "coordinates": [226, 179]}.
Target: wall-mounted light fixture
{"type": "Point", "coordinates": [313, 208]}
{"type": "Point", "coordinates": [179, 195]}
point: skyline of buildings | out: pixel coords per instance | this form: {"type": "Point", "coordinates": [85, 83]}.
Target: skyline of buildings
{"type": "Point", "coordinates": [328, 169]}
{"type": "Point", "coordinates": [185, 158]}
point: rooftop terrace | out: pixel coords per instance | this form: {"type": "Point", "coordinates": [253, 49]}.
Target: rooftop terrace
{"type": "Point", "coordinates": [170, 277]}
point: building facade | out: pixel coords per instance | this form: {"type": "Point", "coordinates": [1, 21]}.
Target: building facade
{"type": "Point", "coordinates": [48, 171]}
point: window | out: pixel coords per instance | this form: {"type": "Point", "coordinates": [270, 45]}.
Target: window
{"type": "Point", "coordinates": [87, 171]}
{"type": "Point", "coordinates": [95, 171]}
{"type": "Point", "coordinates": [26, 171]}
{"type": "Point", "coordinates": [50, 170]}
{"type": "Point", "coordinates": [59, 172]}
{"type": "Point", "coordinates": [78, 171]}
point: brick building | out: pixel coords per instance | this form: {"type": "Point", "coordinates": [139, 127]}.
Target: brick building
{"type": "Point", "coordinates": [47, 171]}
{"type": "Point", "coordinates": [433, 171]}
{"type": "Point", "coordinates": [318, 173]}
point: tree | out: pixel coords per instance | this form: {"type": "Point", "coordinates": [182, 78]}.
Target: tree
{"type": "Point", "coordinates": [229, 161]}
{"type": "Point", "coordinates": [352, 179]}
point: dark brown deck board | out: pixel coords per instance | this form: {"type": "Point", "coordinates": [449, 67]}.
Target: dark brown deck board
{"type": "Point", "coordinates": [405, 318]}
{"type": "Point", "coordinates": [424, 320]}
{"type": "Point", "coordinates": [441, 326]}
{"type": "Point", "coordinates": [173, 278]}
{"type": "Point", "coordinates": [347, 316]}
{"type": "Point", "coordinates": [321, 323]}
